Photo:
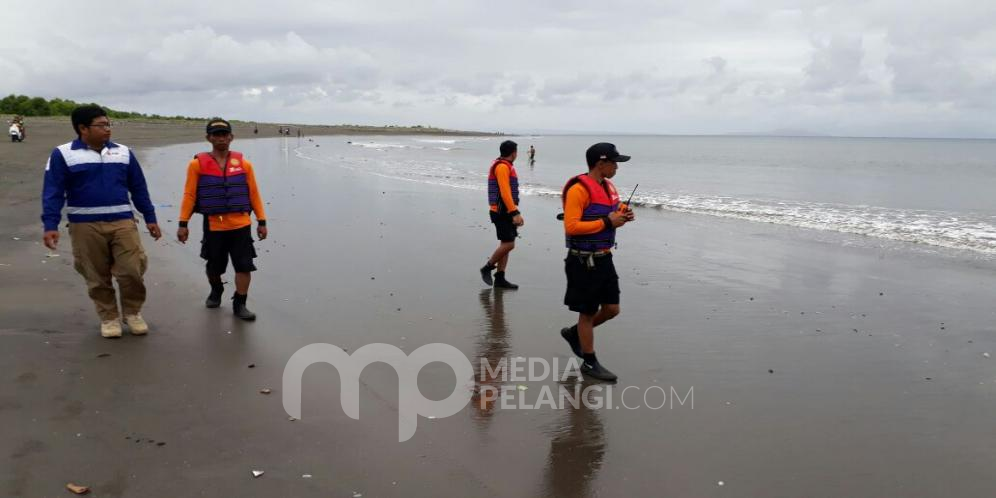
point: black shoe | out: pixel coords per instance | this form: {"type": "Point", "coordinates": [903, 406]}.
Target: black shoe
{"type": "Point", "coordinates": [570, 334]}
{"type": "Point", "coordinates": [596, 370]}
{"type": "Point", "coordinates": [486, 274]}
{"type": "Point", "coordinates": [501, 283]}
{"type": "Point", "coordinates": [239, 308]}
{"type": "Point", "coordinates": [214, 298]}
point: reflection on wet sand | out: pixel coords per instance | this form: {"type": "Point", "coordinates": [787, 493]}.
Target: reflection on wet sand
{"type": "Point", "coordinates": [492, 346]}
{"type": "Point", "coordinates": [577, 447]}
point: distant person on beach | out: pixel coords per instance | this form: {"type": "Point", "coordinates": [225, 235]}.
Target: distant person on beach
{"type": "Point", "coordinates": [15, 133]}
{"type": "Point", "coordinates": [95, 176]}
{"type": "Point", "coordinates": [503, 198]}
{"type": "Point", "coordinates": [532, 154]}
{"type": "Point", "coordinates": [221, 185]}
{"type": "Point", "coordinates": [592, 213]}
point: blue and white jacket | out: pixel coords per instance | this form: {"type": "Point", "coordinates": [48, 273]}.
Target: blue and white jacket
{"type": "Point", "coordinates": [95, 185]}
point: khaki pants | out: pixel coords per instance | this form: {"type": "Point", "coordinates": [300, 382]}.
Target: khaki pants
{"type": "Point", "coordinates": [103, 249]}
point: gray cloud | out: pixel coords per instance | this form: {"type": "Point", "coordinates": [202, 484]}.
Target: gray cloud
{"type": "Point", "coordinates": [879, 67]}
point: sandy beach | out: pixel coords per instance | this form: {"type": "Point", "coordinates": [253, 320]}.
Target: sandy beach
{"type": "Point", "coordinates": [821, 364]}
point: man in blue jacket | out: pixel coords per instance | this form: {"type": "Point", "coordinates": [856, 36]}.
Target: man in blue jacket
{"type": "Point", "coordinates": [95, 176]}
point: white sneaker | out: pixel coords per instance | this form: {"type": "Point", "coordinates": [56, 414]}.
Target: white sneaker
{"type": "Point", "coordinates": [110, 328]}
{"type": "Point", "coordinates": [137, 324]}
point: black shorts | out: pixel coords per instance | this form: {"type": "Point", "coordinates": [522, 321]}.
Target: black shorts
{"type": "Point", "coordinates": [588, 288]}
{"type": "Point", "coordinates": [507, 231]}
{"type": "Point", "coordinates": [217, 247]}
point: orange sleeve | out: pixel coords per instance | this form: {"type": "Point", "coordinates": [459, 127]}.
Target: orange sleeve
{"type": "Point", "coordinates": [254, 198]}
{"type": "Point", "coordinates": [190, 190]}
{"type": "Point", "coordinates": [505, 187]}
{"type": "Point", "coordinates": [577, 200]}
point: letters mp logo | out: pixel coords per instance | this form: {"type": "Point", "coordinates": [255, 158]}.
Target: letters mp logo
{"type": "Point", "coordinates": [411, 403]}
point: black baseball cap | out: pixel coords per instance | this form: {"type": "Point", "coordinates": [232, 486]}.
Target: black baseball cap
{"type": "Point", "coordinates": [604, 151]}
{"type": "Point", "coordinates": [218, 124]}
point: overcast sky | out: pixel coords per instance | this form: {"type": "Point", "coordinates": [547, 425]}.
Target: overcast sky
{"type": "Point", "coordinates": [858, 68]}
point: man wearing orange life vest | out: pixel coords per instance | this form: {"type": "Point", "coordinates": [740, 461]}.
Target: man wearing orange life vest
{"type": "Point", "coordinates": [221, 185]}
{"type": "Point", "coordinates": [503, 199]}
{"type": "Point", "coordinates": [592, 213]}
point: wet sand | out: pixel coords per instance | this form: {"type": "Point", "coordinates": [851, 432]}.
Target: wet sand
{"type": "Point", "coordinates": [822, 364]}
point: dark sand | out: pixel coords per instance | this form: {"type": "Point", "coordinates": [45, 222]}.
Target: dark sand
{"type": "Point", "coordinates": [809, 353]}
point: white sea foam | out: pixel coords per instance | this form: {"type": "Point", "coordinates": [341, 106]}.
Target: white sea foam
{"type": "Point", "coordinates": [377, 145]}
{"type": "Point", "coordinates": [963, 231]}
{"type": "Point", "coordinates": [436, 141]}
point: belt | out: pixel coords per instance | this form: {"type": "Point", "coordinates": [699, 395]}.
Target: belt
{"type": "Point", "coordinates": [585, 254]}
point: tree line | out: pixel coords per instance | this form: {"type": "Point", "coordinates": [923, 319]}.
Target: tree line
{"type": "Point", "coordinates": [39, 106]}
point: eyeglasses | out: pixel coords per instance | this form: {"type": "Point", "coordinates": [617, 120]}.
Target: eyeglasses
{"type": "Point", "coordinates": [106, 126]}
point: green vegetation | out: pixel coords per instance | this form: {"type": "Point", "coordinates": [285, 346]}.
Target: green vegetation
{"type": "Point", "coordinates": [38, 106]}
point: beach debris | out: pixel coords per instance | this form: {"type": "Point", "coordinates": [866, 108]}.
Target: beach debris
{"type": "Point", "coordinates": [771, 371]}
{"type": "Point", "coordinates": [252, 365]}
{"type": "Point", "coordinates": [257, 473]}
{"type": "Point", "coordinates": [77, 489]}
{"type": "Point", "coordinates": [721, 483]}
{"type": "Point", "coordinates": [306, 476]}
{"type": "Point", "coordinates": [928, 378]}
{"type": "Point", "coordinates": [161, 443]}
{"type": "Point", "coordinates": [881, 293]}
{"type": "Point", "coordinates": [229, 331]}
{"type": "Point", "coordinates": [357, 494]}
{"type": "Point", "coordinates": [985, 355]}
{"type": "Point", "coordinates": [265, 390]}
{"type": "Point", "coordinates": [52, 255]}
{"type": "Point", "coordinates": [103, 355]}
{"type": "Point", "coordinates": [291, 419]}
{"type": "Point", "coordinates": [16, 238]}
